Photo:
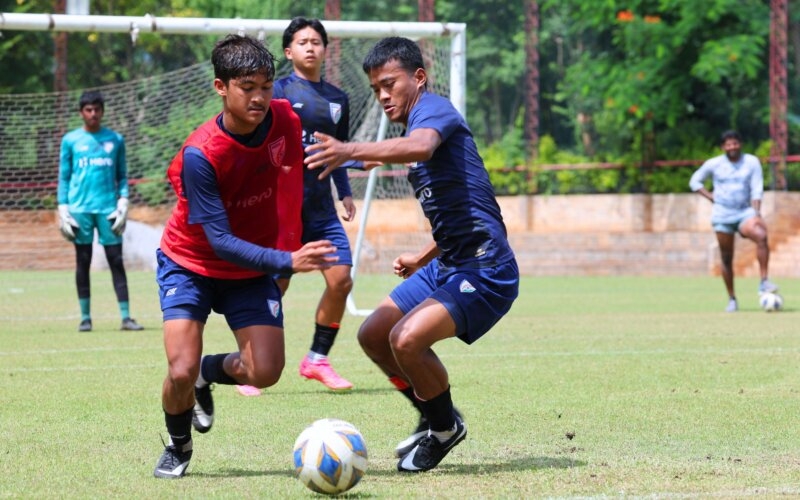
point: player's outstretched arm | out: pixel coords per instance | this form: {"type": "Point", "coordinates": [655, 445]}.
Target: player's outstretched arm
{"type": "Point", "coordinates": [313, 256]}
{"type": "Point", "coordinates": [329, 153]}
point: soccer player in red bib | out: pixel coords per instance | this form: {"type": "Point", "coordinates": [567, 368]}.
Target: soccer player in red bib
{"type": "Point", "coordinates": [239, 183]}
{"type": "Point", "coordinates": [461, 284]}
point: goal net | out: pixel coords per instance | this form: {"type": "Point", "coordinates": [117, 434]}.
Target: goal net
{"type": "Point", "coordinates": [155, 114]}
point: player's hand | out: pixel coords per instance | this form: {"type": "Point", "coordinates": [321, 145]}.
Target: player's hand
{"type": "Point", "coordinates": [328, 153]}
{"type": "Point", "coordinates": [350, 208]}
{"type": "Point", "coordinates": [66, 223]}
{"type": "Point", "coordinates": [119, 217]}
{"type": "Point", "coordinates": [313, 256]}
{"type": "Point", "coordinates": [370, 164]}
{"type": "Point", "coordinates": [405, 265]}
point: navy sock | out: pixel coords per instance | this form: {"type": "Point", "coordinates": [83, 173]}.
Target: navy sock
{"type": "Point", "coordinates": [439, 412]}
{"type": "Point", "coordinates": [179, 427]}
{"type": "Point", "coordinates": [324, 336]}
{"type": "Point", "coordinates": [212, 370]}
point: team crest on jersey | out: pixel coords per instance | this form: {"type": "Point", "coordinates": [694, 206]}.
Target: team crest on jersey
{"type": "Point", "coordinates": [274, 307]}
{"type": "Point", "coordinates": [277, 150]}
{"type": "Point", "coordinates": [108, 147]}
{"type": "Point", "coordinates": [466, 287]}
{"type": "Point", "coordinates": [336, 111]}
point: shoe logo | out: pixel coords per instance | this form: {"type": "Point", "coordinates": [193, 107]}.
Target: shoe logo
{"type": "Point", "coordinates": [171, 292]}
{"type": "Point", "coordinates": [466, 287]}
{"type": "Point", "coordinates": [274, 307]}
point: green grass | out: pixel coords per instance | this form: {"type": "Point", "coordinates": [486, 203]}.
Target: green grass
{"type": "Point", "coordinates": [590, 387]}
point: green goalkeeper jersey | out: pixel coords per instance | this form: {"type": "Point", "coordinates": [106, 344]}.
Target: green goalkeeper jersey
{"type": "Point", "coordinates": [92, 173]}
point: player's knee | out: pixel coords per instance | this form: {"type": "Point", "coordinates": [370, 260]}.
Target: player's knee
{"type": "Point", "coordinates": [341, 287]}
{"type": "Point", "coordinates": [404, 345]}
{"type": "Point", "coordinates": [373, 333]}
{"type": "Point", "coordinates": [726, 256]}
{"type": "Point", "coordinates": [266, 374]}
{"type": "Point", "coordinates": [182, 375]}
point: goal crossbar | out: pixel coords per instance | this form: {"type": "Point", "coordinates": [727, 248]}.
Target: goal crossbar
{"type": "Point", "coordinates": [135, 25]}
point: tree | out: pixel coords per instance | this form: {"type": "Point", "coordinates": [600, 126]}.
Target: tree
{"type": "Point", "coordinates": [651, 66]}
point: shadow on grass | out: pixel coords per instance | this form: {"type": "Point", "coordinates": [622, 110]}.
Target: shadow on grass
{"type": "Point", "coordinates": [517, 464]}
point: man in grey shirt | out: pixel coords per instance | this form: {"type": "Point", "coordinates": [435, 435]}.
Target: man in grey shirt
{"type": "Point", "coordinates": [738, 186]}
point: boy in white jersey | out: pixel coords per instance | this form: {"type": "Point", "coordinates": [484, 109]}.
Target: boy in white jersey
{"type": "Point", "coordinates": [93, 194]}
{"type": "Point", "coordinates": [738, 186]}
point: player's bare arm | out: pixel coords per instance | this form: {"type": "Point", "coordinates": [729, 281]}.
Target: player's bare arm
{"type": "Point", "coordinates": [705, 193]}
{"type": "Point", "coordinates": [314, 256]}
{"type": "Point", "coordinates": [407, 264]}
{"type": "Point", "coordinates": [330, 153]}
{"type": "Point", "coordinates": [349, 207]}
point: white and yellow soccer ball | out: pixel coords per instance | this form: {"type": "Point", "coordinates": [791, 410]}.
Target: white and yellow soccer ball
{"type": "Point", "coordinates": [770, 301]}
{"type": "Point", "coordinates": [330, 456]}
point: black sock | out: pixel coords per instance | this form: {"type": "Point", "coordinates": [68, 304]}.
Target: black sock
{"type": "Point", "coordinates": [211, 367]}
{"type": "Point", "coordinates": [179, 427]}
{"type": "Point", "coordinates": [324, 336]}
{"type": "Point", "coordinates": [439, 412]}
{"type": "Point", "coordinates": [407, 391]}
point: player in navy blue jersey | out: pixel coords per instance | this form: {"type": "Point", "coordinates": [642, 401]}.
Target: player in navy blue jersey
{"type": "Point", "coordinates": [458, 286]}
{"type": "Point", "coordinates": [322, 107]}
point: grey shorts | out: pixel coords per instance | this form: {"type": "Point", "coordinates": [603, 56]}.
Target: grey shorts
{"type": "Point", "coordinates": [731, 220]}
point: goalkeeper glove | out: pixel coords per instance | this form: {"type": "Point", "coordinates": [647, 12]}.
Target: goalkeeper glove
{"type": "Point", "coordinates": [119, 217]}
{"type": "Point", "coordinates": [66, 223]}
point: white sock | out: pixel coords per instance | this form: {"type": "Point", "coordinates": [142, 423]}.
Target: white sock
{"type": "Point", "coordinates": [201, 382]}
{"type": "Point", "coordinates": [316, 357]}
{"type": "Point", "coordinates": [443, 436]}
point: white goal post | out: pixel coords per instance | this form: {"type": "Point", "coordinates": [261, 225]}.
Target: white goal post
{"type": "Point", "coordinates": [445, 55]}
{"type": "Point", "coordinates": [255, 27]}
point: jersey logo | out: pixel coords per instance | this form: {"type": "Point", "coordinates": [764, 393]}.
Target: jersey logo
{"type": "Point", "coordinates": [336, 111]}
{"type": "Point", "coordinates": [274, 307]}
{"type": "Point", "coordinates": [108, 147]}
{"type": "Point", "coordinates": [171, 292]}
{"type": "Point", "coordinates": [277, 150]}
{"type": "Point", "coordinates": [298, 105]}
{"type": "Point", "coordinates": [466, 287]}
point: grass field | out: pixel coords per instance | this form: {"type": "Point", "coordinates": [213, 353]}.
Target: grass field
{"type": "Point", "coordinates": [590, 387]}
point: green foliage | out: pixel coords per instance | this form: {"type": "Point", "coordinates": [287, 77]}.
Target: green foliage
{"type": "Point", "coordinates": [610, 73]}
{"type": "Point", "coordinates": [652, 67]}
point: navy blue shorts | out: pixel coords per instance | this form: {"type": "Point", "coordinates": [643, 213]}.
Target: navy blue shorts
{"type": "Point", "coordinates": [475, 298]}
{"type": "Point", "coordinates": [244, 302]}
{"type": "Point", "coordinates": [332, 230]}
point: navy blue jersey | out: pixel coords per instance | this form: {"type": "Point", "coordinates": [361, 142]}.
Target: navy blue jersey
{"type": "Point", "coordinates": [454, 190]}
{"type": "Point", "coordinates": [322, 107]}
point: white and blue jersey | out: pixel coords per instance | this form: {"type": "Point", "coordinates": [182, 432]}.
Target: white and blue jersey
{"type": "Point", "coordinates": [735, 185]}
{"type": "Point", "coordinates": [454, 190]}
{"type": "Point", "coordinates": [322, 107]}
{"type": "Point", "coordinates": [92, 172]}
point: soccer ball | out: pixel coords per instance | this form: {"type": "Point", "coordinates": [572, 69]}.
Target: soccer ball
{"type": "Point", "coordinates": [330, 456]}
{"type": "Point", "coordinates": [770, 301]}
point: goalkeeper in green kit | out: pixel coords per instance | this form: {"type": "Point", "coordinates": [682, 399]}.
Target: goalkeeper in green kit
{"type": "Point", "coordinates": [93, 194]}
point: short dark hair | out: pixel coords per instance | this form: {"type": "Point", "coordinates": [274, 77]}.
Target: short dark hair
{"type": "Point", "coordinates": [400, 49]}
{"type": "Point", "coordinates": [236, 56]}
{"type": "Point", "coordinates": [729, 134]}
{"type": "Point", "coordinates": [299, 23]}
{"type": "Point", "coordinates": [91, 97]}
